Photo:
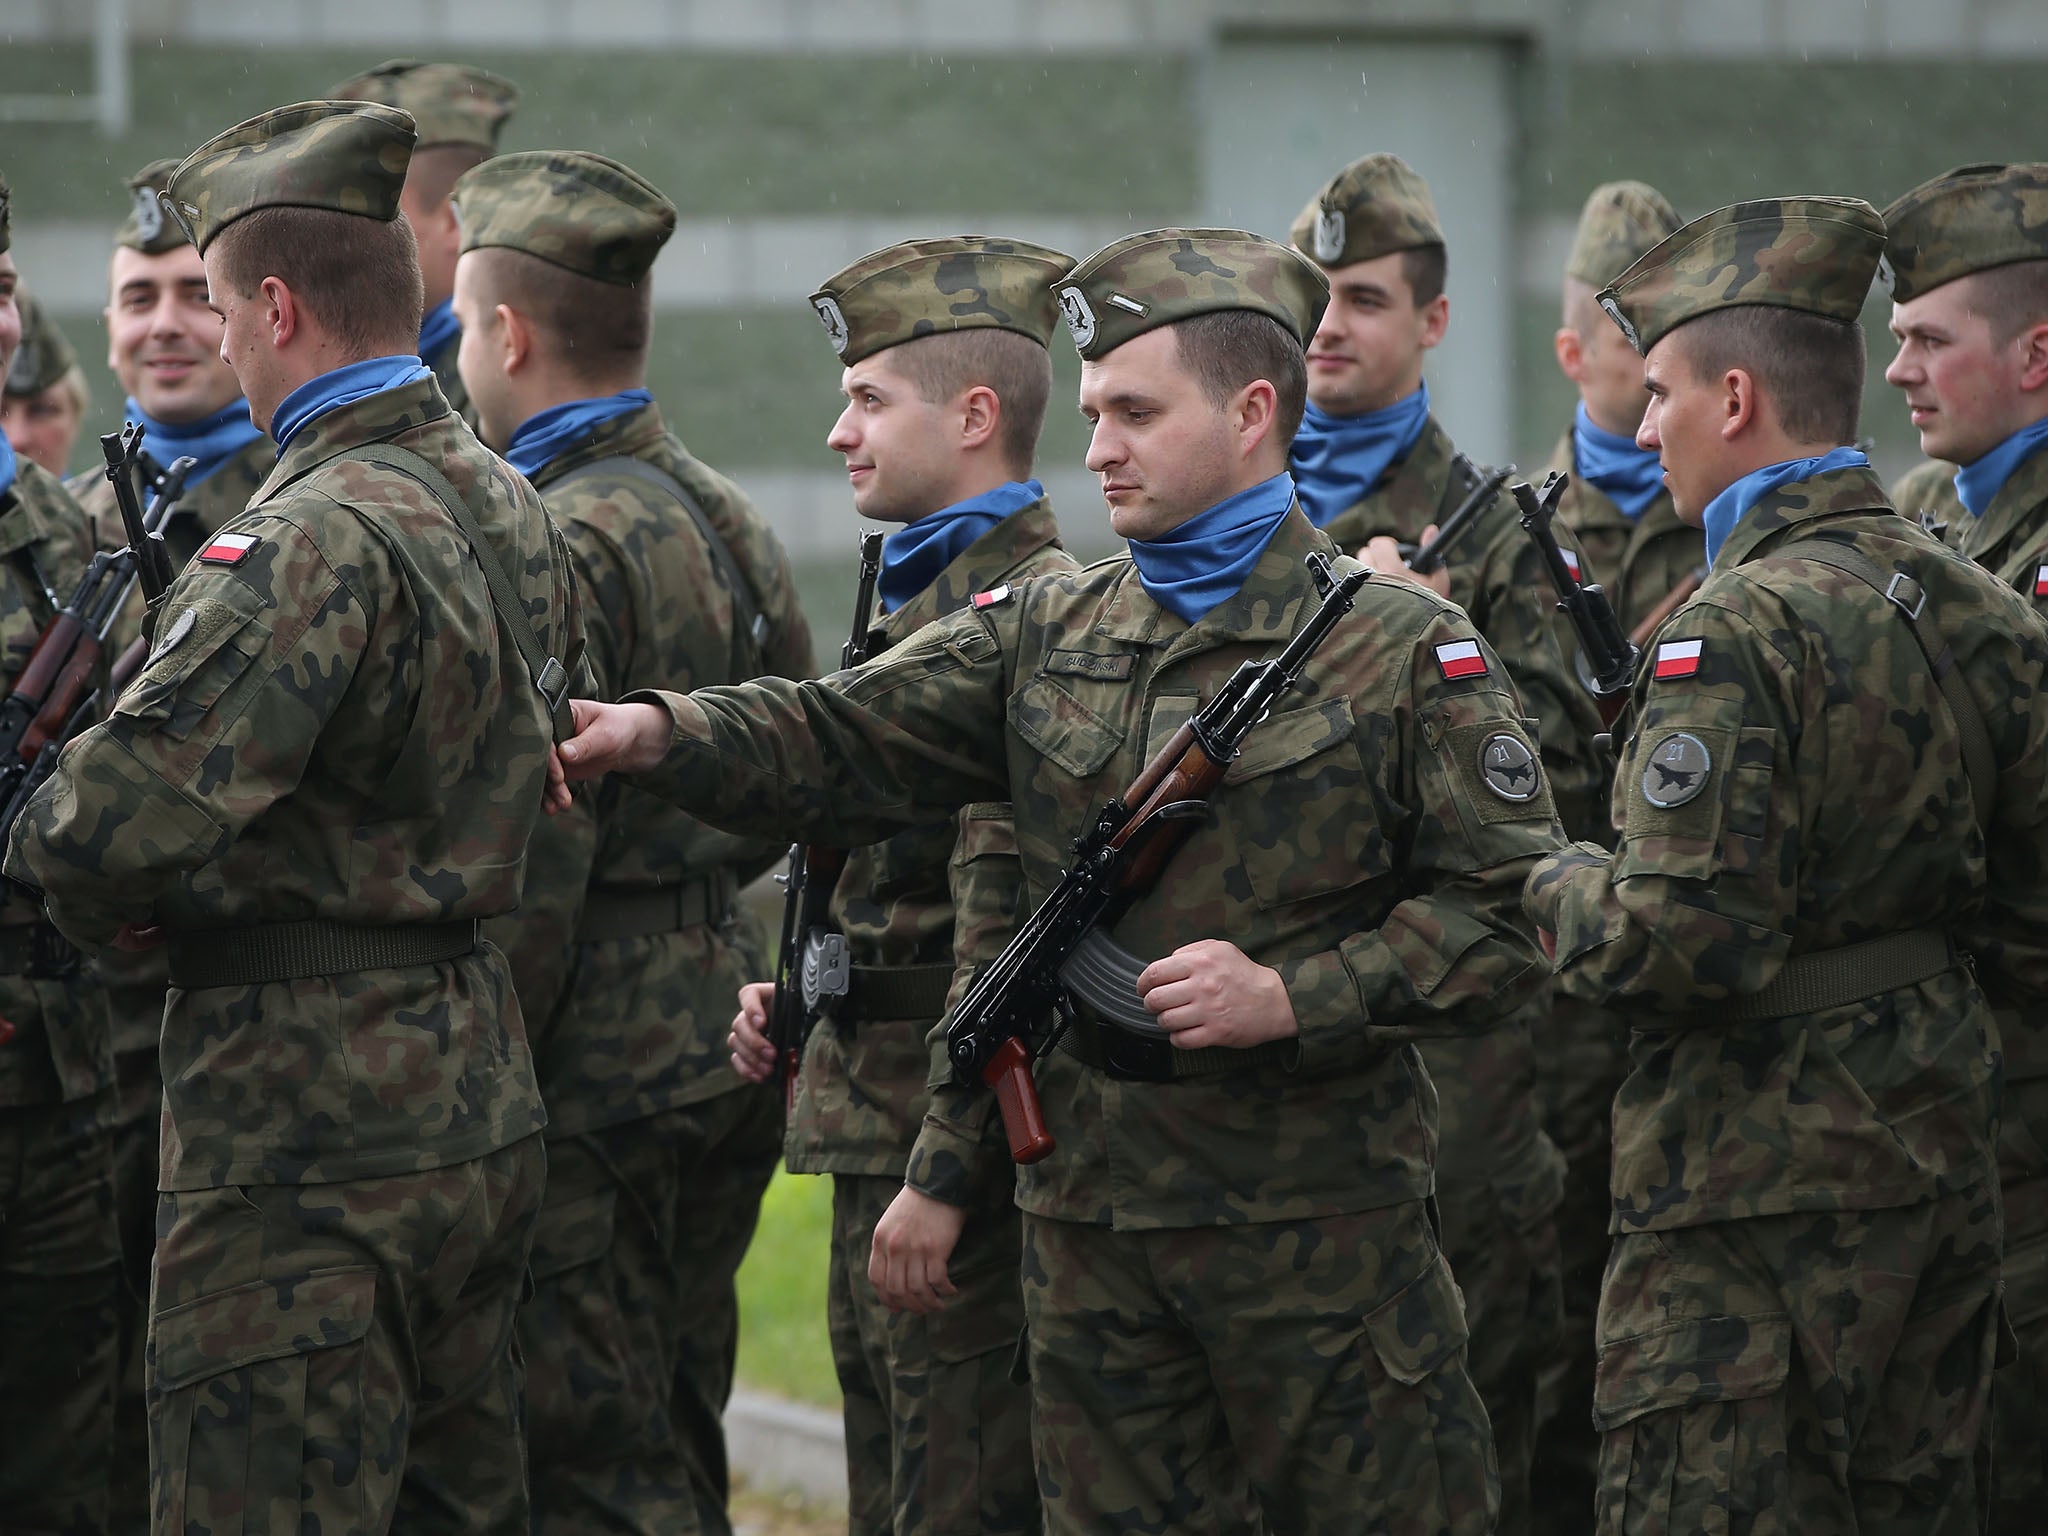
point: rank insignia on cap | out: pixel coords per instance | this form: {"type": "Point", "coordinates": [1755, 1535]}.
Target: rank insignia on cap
{"type": "Point", "coordinates": [991, 597]}
{"type": "Point", "coordinates": [1461, 658]}
{"type": "Point", "coordinates": [2041, 582]}
{"type": "Point", "coordinates": [1677, 658]}
{"type": "Point", "coordinates": [1677, 771]}
{"type": "Point", "coordinates": [1508, 767]}
{"type": "Point", "coordinates": [229, 548]}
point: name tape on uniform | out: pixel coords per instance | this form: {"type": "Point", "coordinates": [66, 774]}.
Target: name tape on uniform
{"type": "Point", "coordinates": [229, 548]}
{"type": "Point", "coordinates": [1460, 658]}
{"type": "Point", "coordinates": [1677, 658]}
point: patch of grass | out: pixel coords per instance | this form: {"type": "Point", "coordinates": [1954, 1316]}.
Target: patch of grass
{"type": "Point", "coordinates": [784, 1347]}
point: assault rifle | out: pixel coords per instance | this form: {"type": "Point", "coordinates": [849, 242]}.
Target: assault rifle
{"type": "Point", "coordinates": [1427, 557]}
{"type": "Point", "coordinates": [1016, 1008]}
{"type": "Point", "coordinates": [53, 697]}
{"type": "Point", "coordinates": [1609, 654]}
{"type": "Point", "coordinates": [811, 962]}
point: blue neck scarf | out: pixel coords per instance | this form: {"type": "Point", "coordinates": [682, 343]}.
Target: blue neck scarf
{"type": "Point", "coordinates": [212, 442]}
{"type": "Point", "coordinates": [1629, 476]}
{"type": "Point", "coordinates": [1337, 460]}
{"type": "Point", "coordinates": [914, 554]}
{"type": "Point", "coordinates": [1728, 508]}
{"type": "Point", "coordinates": [438, 327]}
{"type": "Point", "coordinates": [1979, 484]}
{"type": "Point", "coordinates": [1206, 559]}
{"type": "Point", "coordinates": [546, 435]}
{"type": "Point", "coordinates": [8, 468]}
{"type": "Point", "coordinates": [342, 386]}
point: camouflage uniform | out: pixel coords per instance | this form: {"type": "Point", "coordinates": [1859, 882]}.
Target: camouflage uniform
{"type": "Point", "coordinates": [453, 106]}
{"type": "Point", "coordinates": [1964, 222]}
{"type": "Point", "coordinates": [1500, 1179]}
{"type": "Point", "coordinates": [1580, 1062]}
{"type": "Point", "coordinates": [627, 947]}
{"type": "Point", "coordinates": [321, 781]}
{"type": "Point", "coordinates": [937, 1435]}
{"type": "Point", "coordinates": [59, 1257]}
{"type": "Point", "coordinates": [1798, 1318]}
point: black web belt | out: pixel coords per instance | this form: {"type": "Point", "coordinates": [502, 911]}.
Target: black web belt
{"type": "Point", "coordinates": [1835, 978]}
{"type": "Point", "coordinates": [618, 913]}
{"type": "Point", "coordinates": [879, 992]}
{"type": "Point", "coordinates": [263, 952]}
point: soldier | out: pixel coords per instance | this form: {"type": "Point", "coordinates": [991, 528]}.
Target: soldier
{"type": "Point", "coordinates": [1968, 254]}
{"type": "Point", "coordinates": [945, 399]}
{"type": "Point", "coordinates": [60, 1268]}
{"type": "Point", "coordinates": [321, 781]}
{"type": "Point", "coordinates": [1839, 752]}
{"type": "Point", "coordinates": [1375, 467]}
{"type": "Point", "coordinates": [44, 398]}
{"type": "Point", "coordinates": [1646, 559]}
{"type": "Point", "coordinates": [628, 945]}
{"type": "Point", "coordinates": [1237, 1308]}
{"type": "Point", "coordinates": [459, 111]}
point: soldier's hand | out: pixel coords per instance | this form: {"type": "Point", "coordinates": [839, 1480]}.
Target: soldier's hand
{"type": "Point", "coordinates": [1384, 556]}
{"type": "Point", "coordinates": [1212, 993]}
{"type": "Point", "coordinates": [914, 1240]}
{"type": "Point", "coordinates": [613, 738]}
{"type": "Point", "coordinates": [752, 1056]}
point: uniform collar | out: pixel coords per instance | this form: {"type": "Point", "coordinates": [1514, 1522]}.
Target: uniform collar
{"type": "Point", "coordinates": [977, 568]}
{"type": "Point", "coordinates": [1856, 489]}
{"type": "Point", "coordinates": [627, 436]}
{"type": "Point", "coordinates": [373, 418]}
{"type": "Point", "coordinates": [1263, 609]}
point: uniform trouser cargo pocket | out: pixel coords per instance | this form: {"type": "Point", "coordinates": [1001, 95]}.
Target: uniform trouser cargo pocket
{"type": "Point", "coordinates": [231, 1377]}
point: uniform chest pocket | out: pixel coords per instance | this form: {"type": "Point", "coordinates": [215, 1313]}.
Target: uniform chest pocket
{"type": "Point", "coordinates": [203, 648]}
{"type": "Point", "coordinates": [1055, 724]}
{"type": "Point", "coordinates": [1298, 808]}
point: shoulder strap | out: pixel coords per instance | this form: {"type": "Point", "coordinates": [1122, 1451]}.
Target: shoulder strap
{"type": "Point", "coordinates": [753, 622]}
{"type": "Point", "coordinates": [549, 675]}
{"type": "Point", "coordinates": [1906, 594]}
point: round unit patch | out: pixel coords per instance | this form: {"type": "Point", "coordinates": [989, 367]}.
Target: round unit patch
{"type": "Point", "coordinates": [834, 321]}
{"type": "Point", "coordinates": [1677, 771]}
{"type": "Point", "coordinates": [1079, 315]}
{"type": "Point", "coordinates": [168, 641]}
{"type": "Point", "coordinates": [1509, 767]}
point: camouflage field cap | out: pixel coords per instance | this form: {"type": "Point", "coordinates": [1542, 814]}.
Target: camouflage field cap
{"type": "Point", "coordinates": [923, 287]}
{"type": "Point", "coordinates": [148, 228]}
{"type": "Point", "coordinates": [348, 156]}
{"type": "Point", "coordinates": [44, 356]}
{"type": "Point", "coordinates": [449, 103]}
{"type": "Point", "coordinates": [577, 210]}
{"type": "Point", "coordinates": [1815, 254]}
{"type": "Point", "coordinates": [5, 198]}
{"type": "Point", "coordinates": [1371, 208]}
{"type": "Point", "coordinates": [1145, 281]}
{"type": "Point", "coordinates": [1621, 220]}
{"type": "Point", "coordinates": [1964, 221]}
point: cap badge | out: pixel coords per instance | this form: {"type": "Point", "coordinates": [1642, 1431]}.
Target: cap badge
{"type": "Point", "coordinates": [1613, 307]}
{"type": "Point", "coordinates": [1886, 275]}
{"type": "Point", "coordinates": [1080, 317]}
{"type": "Point", "coordinates": [834, 321]}
{"type": "Point", "coordinates": [149, 214]}
{"type": "Point", "coordinates": [1329, 235]}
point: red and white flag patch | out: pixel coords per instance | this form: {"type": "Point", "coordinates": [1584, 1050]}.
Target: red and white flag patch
{"type": "Point", "coordinates": [229, 548]}
{"type": "Point", "coordinates": [1677, 658]}
{"type": "Point", "coordinates": [1571, 563]}
{"type": "Point", "coordinates": [992, 596]}
{"type": "Point", "coordinates": [1461, 658]}
{"type": "Point", "coordinates": [2041, 582]}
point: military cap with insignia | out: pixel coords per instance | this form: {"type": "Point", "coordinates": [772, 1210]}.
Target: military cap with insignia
{"type": "Point", "coordinates": [1812, 254]}
{"type": "Point", "coordinates": [146, 229]}
{"type": "Point", "coordinates": [1966, 220]}
{"type": "Point", "coordinates": [44, 356]}
{"type": "Point", "coordinates": [449, 103]}
{"type": "Point", "coordinates": [580, 211]}
{"type": "Point", "coordinates": [347, 156]}
{"type": "Point", "coordinates": [1145, 281]}
{"type": "Point", "coordinates": [1621, 220]}
{"type": "Point", "coordinates": [1371, 208]}
{"type": "Point", "coordinates": [923, 287]}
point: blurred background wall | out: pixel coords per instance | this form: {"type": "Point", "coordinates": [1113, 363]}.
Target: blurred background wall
{"type": "Point", "coordinates": [797, 134]}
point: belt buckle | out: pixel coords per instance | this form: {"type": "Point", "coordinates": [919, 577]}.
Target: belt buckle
{"type": "Point", "coordinates": [826, 969]}
{"type": "Point", "coordinates": [1139, 1058]}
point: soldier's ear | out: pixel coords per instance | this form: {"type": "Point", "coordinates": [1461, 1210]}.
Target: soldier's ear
{"type": "Point", "coordinates": [2033, 358]}
{"type": "Point", "coordinates": [515, 339]}
{"type": "Point", "coordinates": [1571, 353]}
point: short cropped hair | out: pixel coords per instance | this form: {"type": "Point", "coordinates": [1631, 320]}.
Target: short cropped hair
{"type": "Point", "coordinates": [2012, 298]}
{"type": "Point", "coordinates": [598, 332]}
{"type": "Point", "coordinates": [944, 364]}
{"type": "Point", "coordinates": [1810, 367]}
{"type": "Point", "coordinates": [1229, 348]}
{"type": "Point", "coordinates": [358, 278]}
{"type": "Point", "coordinates": [1425, 267]}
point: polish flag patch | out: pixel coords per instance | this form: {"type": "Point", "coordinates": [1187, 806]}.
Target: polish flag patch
{"type": "Point", "coordinates": [992, 596]}
{"type": "Point", "coordinates": [2041, 582]}
{"type": "Point", "coordinates": [1460, 658]}
{"type": "Point", "coordinates": [1677, 658]}
{"type": "Point", "coordinates": [229, 548]}
{"type": "Point", "coordinates": [1571, 563]}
